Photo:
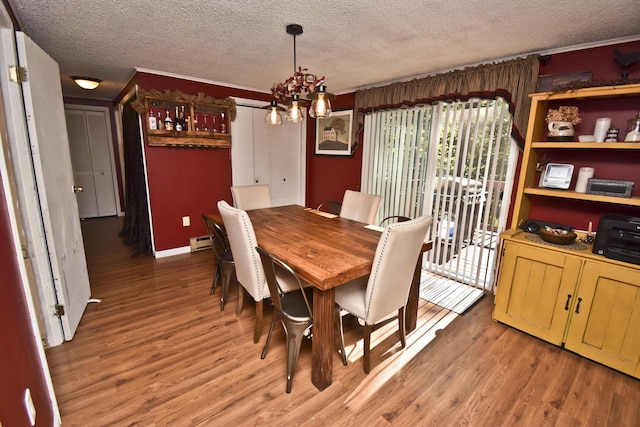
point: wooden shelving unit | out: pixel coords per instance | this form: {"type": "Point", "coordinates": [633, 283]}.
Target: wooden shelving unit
{"type": "Point", "coordinates": [570, 296]}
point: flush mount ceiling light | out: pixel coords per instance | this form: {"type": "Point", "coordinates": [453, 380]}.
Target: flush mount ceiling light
{"type": "Point", "coordinates": [301, 82]}
{"type": "Point", "coordinates": [86, 82]}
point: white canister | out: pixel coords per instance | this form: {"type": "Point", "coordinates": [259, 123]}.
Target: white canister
{"type": "Point", "coordinates": [583, 176]}
{"type": "Point", "coordinates": [602, 127]}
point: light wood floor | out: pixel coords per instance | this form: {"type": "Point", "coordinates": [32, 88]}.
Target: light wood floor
{"type": "Point", "coordinates": [157, 351]}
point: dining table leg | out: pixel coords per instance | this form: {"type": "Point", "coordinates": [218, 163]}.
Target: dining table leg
{"type": "Point", "coordinates": [323, 339]}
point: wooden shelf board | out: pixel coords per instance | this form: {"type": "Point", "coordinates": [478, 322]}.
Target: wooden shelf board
{"type": "Point", "coordinates": [588, 145]}
{"type": "Point", "coordinates": [591, 92]}
{"type": "Point", "coordinates": [566, 194]}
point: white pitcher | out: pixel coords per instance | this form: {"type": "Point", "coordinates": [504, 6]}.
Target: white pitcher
{"type": "Point", "coordinates": [560, 129]}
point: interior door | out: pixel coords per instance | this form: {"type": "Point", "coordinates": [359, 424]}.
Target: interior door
{"type": "Point", "coordinates": [47, 131]}
{"type": "Point", "coordinates": [92, 159]}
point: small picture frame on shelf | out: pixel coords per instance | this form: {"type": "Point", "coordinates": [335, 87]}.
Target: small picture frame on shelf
{"type": "Point", "coordinates": [333, 134]}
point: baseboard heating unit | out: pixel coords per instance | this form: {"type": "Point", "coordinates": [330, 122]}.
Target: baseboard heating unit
{"type": "Point", "coordinates": [199, 243]}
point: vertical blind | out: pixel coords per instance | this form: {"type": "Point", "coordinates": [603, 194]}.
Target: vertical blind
{"type": "Point", "coordinates": [451, 161]}
{"type": "Point", "coordinates": [395, 159]}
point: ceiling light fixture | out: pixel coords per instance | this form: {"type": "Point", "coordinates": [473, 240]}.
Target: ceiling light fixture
{"type": "Point", "coordinates": [87, 82]}
{"type": "Point", "coordinates": [300, 82]}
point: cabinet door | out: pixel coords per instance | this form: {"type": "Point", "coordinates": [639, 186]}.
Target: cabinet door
{"type": "Point", "coordinates": [535, 289]}
{"type": "Point", "coordinates": [605, 326]}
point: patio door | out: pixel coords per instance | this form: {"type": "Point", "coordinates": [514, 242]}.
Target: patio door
{"type": "Point", "coordinates": [451, 161]}
{"type": "Point", "coordinates": [469, 167]}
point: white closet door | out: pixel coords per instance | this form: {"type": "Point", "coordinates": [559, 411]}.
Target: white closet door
{"type": "Point", "coordinates": [81, 162]}
{"type": "Point", "coordinates": [90, 142]}
{"type": "Point", "coordinates": [101, 159]}
{"type": "Point", "coordinates": [267, 154]}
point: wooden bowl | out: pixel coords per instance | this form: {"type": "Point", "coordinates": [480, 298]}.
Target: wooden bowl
{"type": "Point", "coordinates": [558, 236]}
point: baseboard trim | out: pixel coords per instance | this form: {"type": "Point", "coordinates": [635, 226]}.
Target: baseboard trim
{"type": "Point", "coordinates": [174, 251]}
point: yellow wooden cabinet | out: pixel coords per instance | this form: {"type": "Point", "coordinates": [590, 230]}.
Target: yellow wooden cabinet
{"type": "Point", "coordinates": [575, 298]}
{"type": "Point", "coordinates": [605, 317]}
{"type": "Point", "coordinates": [535, 289]}
{"type": "Point", "coordinates": [569, 296]}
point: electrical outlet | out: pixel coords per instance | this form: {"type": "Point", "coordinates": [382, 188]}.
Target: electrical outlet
{"type": "Point", "coordinates": [186, 221]}
{"type": "Point", "coordinates": [31, 409]}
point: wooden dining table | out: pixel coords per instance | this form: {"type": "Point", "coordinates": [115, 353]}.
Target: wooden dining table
{"type": "Point", "coordinates": [326, 251]}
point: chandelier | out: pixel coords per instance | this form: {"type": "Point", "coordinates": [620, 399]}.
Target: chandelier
{"type": "Point", "coordinates": [289, 91]}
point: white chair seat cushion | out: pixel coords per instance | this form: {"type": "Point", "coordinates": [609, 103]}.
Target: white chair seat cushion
{"type": "Point", "coordinates": [350, 296]}
{"type": "Point", "coordinates": [287, 282]}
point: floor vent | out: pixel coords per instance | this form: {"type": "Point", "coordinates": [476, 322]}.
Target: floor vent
{"type": "Point", "coordinates": [199, 243]}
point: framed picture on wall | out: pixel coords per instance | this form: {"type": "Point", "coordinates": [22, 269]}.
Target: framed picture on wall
{"type": "Point", "coordinates": [333, 135]}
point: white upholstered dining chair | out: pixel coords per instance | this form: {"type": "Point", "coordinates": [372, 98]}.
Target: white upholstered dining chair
{"type": "Point", "coordinates": [247, 197]}
{"type": "Point", "coordinates": [360, 207]}
{"type": "Point", "coordinates": [249, 271]}
{"type": "Point", "coordinates": [386, 290]}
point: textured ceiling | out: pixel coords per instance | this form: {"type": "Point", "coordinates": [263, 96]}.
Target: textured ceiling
{"type": "Point", "coordinates": [354, 44]}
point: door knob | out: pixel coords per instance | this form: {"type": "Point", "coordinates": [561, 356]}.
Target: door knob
{"type": "Point", "coordinates": [78, 189]}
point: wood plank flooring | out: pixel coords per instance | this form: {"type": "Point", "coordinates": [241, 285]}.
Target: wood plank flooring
{"type": "Point", "coordinates": [157, 351]}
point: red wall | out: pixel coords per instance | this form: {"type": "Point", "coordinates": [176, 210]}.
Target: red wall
{"type": "Point", "coordinates": [19, 361]}
{"type": "Point", "coordinates": [186, 181]}
{"type": "Point", "coordinates": [329, 176]}
{"type": "Point", "coordinates": [189, 182]}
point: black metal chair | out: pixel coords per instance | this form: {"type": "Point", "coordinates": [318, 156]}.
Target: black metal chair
{"type": "Point", "coordinates": [225, 267]}
{"type": "Point", "coordinates": [394, 218]}
{"type": "Point", "coordinates": [330, 207]}
{"type": "Point", "coordinates": [293, 309]}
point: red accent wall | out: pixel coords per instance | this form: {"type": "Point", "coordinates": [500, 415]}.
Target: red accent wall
{"type": "Point", "coordinates": [329, 176]}
{"type": "Point", "coordinates": [186, 181]}
{"type": "Point", "coordinates": [19, 362]}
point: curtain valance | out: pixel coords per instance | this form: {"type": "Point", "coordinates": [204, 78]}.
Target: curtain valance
{"type": "Point", "coordinates": [512, 80]}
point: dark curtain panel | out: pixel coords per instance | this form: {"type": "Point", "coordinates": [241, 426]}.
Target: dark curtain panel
{"type": "Point", "coordinates": [136, 231]}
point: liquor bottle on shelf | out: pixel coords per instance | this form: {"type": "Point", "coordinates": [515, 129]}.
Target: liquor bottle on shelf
{"type": "Point", "coordinates": [215, 123]}
{"type": "Point", "coordinates": [160, 122]}
{"type": "Point", "coordinates": [183, 120]}
{"type": "Point", "coordinates": [177, 125]}
{"type": "Point", "coordinates": [187, 124]}
{"type": "Point", "coordinates": [153, 123]}
{"type": "Point", "coordinates": [168, 123]}
{"type": "Point", "coordinates": [223, 123]}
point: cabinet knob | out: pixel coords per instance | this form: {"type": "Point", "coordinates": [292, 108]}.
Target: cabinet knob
{"type": "Point", "coordinates": [578, 306]}
{"type": "Point", "coordinates": [566, 304]}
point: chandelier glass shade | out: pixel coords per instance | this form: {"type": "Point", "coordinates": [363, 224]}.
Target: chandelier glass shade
{"type": "Point", "coordinates": [301, 82]}
{"type": "Point", "coordinates": [273, 116]}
